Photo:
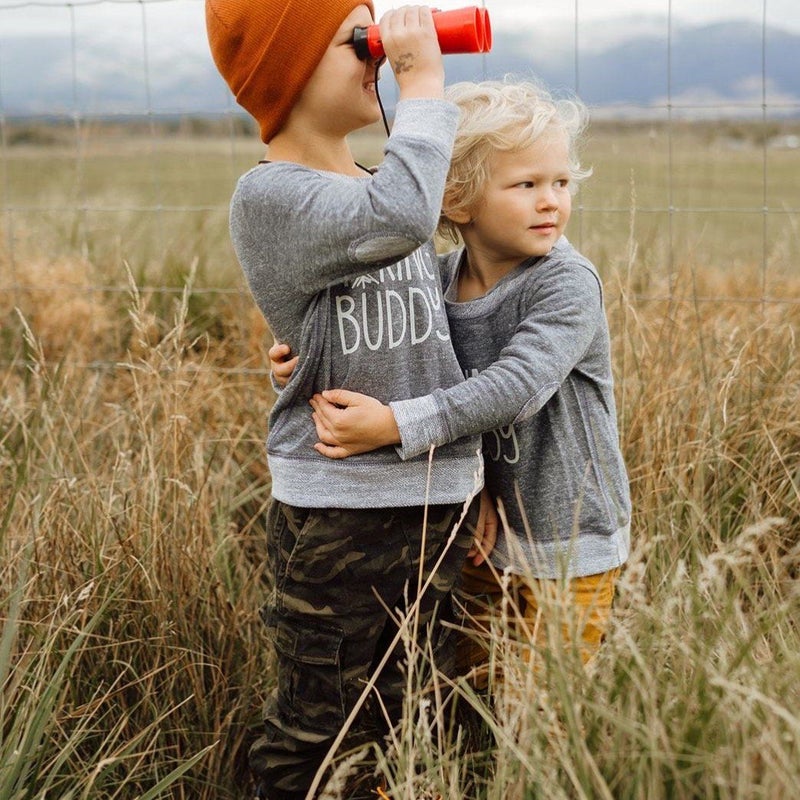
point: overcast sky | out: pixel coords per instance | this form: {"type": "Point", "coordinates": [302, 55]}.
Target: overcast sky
{"type": "Point", "coordinates": [521, 13]}
{"type": "Point", "coordinates": [184, 18]}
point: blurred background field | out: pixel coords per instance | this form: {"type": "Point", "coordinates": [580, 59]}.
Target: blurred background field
{"type": "Point", "coordinates": [156, 197]}
{"type": "Point", "coordinates": [133, 403]}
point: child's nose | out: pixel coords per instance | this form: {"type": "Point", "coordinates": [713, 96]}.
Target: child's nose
{"type": "Point", "coordinates": [547, 198]}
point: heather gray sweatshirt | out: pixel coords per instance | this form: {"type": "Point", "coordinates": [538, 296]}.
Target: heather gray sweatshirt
{"type": "Point", "coordinates": [537, 355]}
{"type": "Point", "coordinates": [345, 272]}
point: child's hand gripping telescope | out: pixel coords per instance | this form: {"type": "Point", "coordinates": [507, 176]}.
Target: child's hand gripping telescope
{"type": "Point", "coordinates": [465, 30]}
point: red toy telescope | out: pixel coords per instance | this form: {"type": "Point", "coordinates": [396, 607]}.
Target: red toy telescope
{"type": "Point", "coordinates": [465, 30]}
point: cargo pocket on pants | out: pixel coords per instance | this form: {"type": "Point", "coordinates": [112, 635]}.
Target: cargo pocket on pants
{"type": "Point", "coordinates": [309, 687]}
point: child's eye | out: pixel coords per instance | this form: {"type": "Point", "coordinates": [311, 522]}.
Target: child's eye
{"type": "Point", "coordinates": [563, 183]}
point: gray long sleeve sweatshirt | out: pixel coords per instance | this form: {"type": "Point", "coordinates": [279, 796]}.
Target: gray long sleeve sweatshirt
{"type": "Point", "coordinates": [345, 272]}
{"type": "Point", "coordinates": [536, 352]}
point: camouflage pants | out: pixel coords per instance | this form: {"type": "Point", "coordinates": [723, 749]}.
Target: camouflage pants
{"type": "Point", "coordinates": [333, 571]}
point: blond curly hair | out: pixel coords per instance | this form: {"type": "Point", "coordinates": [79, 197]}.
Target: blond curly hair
{"type": "Point", "coordinates": [503, 116]}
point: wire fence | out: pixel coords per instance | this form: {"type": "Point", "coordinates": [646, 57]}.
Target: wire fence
{"type": "Point", "coordinates": [144, 179]}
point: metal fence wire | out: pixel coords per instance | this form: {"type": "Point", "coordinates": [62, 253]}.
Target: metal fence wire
{"type": "Point", "coordinates": [58, 144]}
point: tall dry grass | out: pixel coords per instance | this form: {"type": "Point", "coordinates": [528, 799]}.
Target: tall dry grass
{"type": "Point", "coordinates": [132, 663]}
{"type": "Point", "coordinates": [129, 527]}
{"type": "Point", "coordinates": [132, 492]}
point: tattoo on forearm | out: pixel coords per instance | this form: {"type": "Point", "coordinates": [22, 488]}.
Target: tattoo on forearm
{"type": "Point", "coordinates": [404, 63]}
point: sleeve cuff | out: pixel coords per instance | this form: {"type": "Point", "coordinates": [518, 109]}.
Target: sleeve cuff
{"type": "Point", "coordinates": [420, 425]}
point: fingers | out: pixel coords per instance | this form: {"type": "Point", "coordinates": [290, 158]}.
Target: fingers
{"type": "Point", "coordinates": [412, 48]}
{"type": "Point", "coordinates": [324, 434]}
{"type": "Point", "coordinates": [278, 351]}
{"type": "Point", "coordinates": [486, 530]}
{"type": "Point", "coordinates": [328, 445]}
{"type": "Point", "coordinates": [406, 16]}
{"type": "Point", "coordinates": [325, 411]}
{"type": "Point", "coordinates": [283, 371]}
{"type": "Point", "coordinates": [324, 420]}
{"type": "Point", "coordinates": [409, 25]}
{"type": "Point", "coordinates": [281, 364]}
{"type": "Point", "coordinates": [481, 547]}
{"type": "Point", "coordinates": [485, 545]}
{"type": "Point", "coordinates": [330, 451]}
{"type": "Point", "coordinates": [339, 397]}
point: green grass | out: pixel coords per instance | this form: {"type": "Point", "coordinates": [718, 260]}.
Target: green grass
{"type": "Point", "coordinates": [133, 486]}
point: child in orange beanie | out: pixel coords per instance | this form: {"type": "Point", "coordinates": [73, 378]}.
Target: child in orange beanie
{"type": "Point", "coordinates": [341, 262]}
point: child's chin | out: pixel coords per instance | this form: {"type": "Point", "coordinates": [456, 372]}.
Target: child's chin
{"type": "Point", "coordinates": [543, 249]}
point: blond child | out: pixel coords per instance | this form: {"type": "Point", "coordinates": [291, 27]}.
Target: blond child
{"type": "Point", "coordinates": [527, 318]}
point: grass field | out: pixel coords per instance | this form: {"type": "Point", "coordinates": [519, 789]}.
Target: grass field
{"type": "Point", "coordinates": [133, 408]}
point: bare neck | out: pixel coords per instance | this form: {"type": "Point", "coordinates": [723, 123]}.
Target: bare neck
{"type": "Point", "coordinates": [479, 273]}
{"type": "Point", "coordinates": [315, 150]}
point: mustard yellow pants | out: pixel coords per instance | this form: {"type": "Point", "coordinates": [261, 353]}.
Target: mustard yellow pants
{"type": "Point", "coordinates": [528, 610]}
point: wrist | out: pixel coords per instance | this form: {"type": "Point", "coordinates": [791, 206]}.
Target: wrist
{"type": "Point", "coordinates": [421, 86]}
{"type": "Point", "coordinates": [389, 429]}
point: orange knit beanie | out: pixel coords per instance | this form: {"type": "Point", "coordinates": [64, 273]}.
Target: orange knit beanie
{"type": "Point", "coordinates": [268, 49]}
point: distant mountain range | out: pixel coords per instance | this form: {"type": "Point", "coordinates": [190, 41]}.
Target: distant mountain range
{"type": "Point", "coordinates": [727, 68]}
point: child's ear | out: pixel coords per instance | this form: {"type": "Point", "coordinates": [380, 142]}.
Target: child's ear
{"type": "Point", "coordinates": [458, 216]}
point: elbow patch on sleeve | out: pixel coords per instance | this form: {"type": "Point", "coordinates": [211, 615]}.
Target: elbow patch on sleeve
{"type": "Point", "coordinates": [385, 248]}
